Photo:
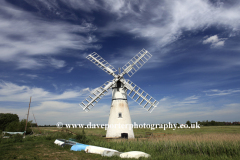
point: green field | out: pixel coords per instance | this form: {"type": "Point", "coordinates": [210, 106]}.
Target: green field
{"type": "Point", "coordinates": [215, 142]}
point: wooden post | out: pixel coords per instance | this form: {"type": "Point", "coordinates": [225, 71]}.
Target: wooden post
{"type": "Point", "coordinates": [27, 117]}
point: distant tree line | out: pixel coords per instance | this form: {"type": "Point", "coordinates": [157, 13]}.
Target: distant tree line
{"type": "Point", "coordinates": [215, 123]}
{"type": "Point", "coordinates": [47, 125]}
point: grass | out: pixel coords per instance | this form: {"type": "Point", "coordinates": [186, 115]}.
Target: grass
{"type": "Point", "coordinates": [221, 142]}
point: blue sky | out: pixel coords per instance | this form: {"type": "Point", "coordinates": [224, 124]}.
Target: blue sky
{"type": "Point", "coordinates": [193, 72]}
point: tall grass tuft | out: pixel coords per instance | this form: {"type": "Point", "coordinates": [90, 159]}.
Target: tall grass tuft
{"type": "Point", "coordinates": [168, 148]}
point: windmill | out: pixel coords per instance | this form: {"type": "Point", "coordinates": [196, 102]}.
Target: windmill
{"type": "Point", "coordinates": [119, 118]}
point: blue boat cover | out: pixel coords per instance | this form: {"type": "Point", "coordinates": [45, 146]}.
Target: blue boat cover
{"type": "Point", "coordinates": [78, 147]}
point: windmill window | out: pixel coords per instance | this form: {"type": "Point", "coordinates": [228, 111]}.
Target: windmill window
{"type": "Point", "coordinates": [120, 115]}
{"type": "Point", "coordinates": [118, 85]}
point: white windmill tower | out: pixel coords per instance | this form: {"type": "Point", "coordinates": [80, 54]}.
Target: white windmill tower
{"type": "Point", "coordinates": [119, 119]}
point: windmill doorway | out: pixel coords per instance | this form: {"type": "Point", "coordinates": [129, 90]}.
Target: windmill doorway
{"type": "Point", "coordinates": [124, 135]}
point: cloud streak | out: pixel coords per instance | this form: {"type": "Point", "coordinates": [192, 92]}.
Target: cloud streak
{"type": "Point", "coordinates": [217, 92]}
{"type": "Point", "coordinates": [70, 70]}
{"type": "Point", "coordinates": [24, 36]}
{"type": "Point", "coordinates": [15, 93]}
{"type": "Point", "coordinates": [161, 25]}
{"type": "Point", "coordinates": [166, 22]}
{"type": "Point", "coordinates": [214, 41]}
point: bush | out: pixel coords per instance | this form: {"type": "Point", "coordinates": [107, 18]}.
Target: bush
{"type": "Point", "coordinates": [13, 127]}
{"type": "Point", "coordinates": [188, 123]}
{"type": "Point", "coordinates": [82, 137]}
{"type": "Point", "coordinates": [30, 138]}
{"type": "Point", "coordinates": [19, 126]}
{"type": "Point", "coordinates": [17, 138]}
{"type": "Point", "coordinates": [6, 119]}
{"type": "Point", "coordinates": [48, 137]}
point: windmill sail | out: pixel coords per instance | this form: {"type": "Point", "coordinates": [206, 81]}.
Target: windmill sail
{"type": "Point", "coordinates": [140, 96]}
{"type": "Point", "coordinates": [96, 95]}
{"type": "Point", "coordinates": [135, 92]}
{"type": "Point", "coordinates": [136, 62]}
{"type": "Point", "coordinates": [101, 63]}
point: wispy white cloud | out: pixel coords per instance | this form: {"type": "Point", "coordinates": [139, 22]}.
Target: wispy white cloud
{"type": "Point", "coordinates": [194, 97]}
{"type": "Point", "coordinates": [57, 63]}
{"type": "Point", "coordinates": [119, 7]}
{"type": "Point", "coordinates": [83, 5]}
{"type": "Point", "coordinates": [167, 21]}
{"type": "Point", "coordinates": [25, 36]}
{"type": "Point", "coordinates": [27, 63]}
{"type": "Point", "coordinates": [51, 112]}
{"type": "Point", "coordinates": [70, 70]}
{"type": "Point", "coordinates": [189, 100]}
{"type": "Point", "coordinates": [32, 76]}
{"type": "Point", "coordinates": [214, 41]}
{"type": "Point", "coordinates": [176, 102]}
{"type": "Point", "coordinates": [55, 86]}
{"type": "Point", "coordinates": [176, 110]}
{"type": "Point", "coordinates": [36, 63]}
{"type": "Point", "coordinates": [217, 92]}
{"type": "Point", "coordinates": [160, 25]}
{"type": "Point", "coordinates": [15, 93]}
{"type": "Point", "coordinates": [193, 108]}
{"type": "Point", "coordinates": [163, 99]}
